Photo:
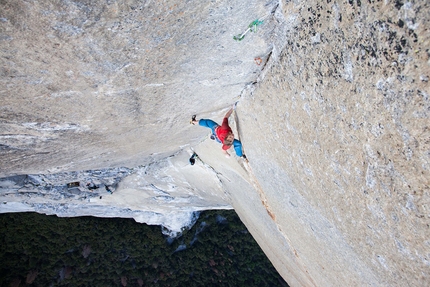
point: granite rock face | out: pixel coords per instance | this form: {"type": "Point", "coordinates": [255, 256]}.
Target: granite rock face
{"type": "Point", "coordinates": [333, 115]}
{"type": "Point", "coordinates": [338, 133]}
{"type": "Point", "coordinates": [96, 85]}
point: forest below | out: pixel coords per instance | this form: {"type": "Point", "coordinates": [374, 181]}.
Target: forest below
{"type": "Point", "coordinates": [41, 250]}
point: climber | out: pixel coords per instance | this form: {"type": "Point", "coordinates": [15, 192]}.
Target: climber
{"type": "Point", "coordinates": [222, 134]}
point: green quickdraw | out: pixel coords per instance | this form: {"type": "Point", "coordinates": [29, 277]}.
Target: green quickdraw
{"type": "Point", "coordinates": [254, 24]}
{"type": "Point", "coordinates": [251, 27]}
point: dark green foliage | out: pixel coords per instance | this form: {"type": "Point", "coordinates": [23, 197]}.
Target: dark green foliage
{"type": "Point", "coordinates": [88, 251]}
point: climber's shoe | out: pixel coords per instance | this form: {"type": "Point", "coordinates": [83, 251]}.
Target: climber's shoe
{"type": "Point", "coordinates": [193, 159]}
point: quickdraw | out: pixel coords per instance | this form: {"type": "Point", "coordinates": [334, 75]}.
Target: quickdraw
{"type": "Point", "coordinates": [251, 27]}
{"type": "Point", "coordinates": [254, 24]}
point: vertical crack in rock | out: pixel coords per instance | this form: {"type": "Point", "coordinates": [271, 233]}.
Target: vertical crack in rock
{"type": "Point", "coordinates": [272, 215]}
{"type": "Point", "coordinates": [254, 181]}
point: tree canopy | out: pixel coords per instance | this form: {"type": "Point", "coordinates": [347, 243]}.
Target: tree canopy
{"type": "Point", "coordinates": [40, 250]}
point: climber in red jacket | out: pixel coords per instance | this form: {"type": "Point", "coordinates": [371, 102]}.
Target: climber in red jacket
{"type": "Point", "coordinates": [222, 133]}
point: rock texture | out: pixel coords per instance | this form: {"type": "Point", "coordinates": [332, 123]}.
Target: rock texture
{"type": "Point", "coordinates": [333, 114]}
{"type": "Point", "coordinates": [96, 85]}
{"type": "Point", "coordinates": [338, 133]}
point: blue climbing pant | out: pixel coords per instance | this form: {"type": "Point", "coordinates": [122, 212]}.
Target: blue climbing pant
{"type": "Point", "coordinates": [209, 124]}
{"type": "Point", "coordinates": [213, 125]}
{"type": "Point", "coordinates": [238, 147]}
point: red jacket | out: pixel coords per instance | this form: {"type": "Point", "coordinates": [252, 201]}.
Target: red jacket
{"type": "Point", "coordinates": [222, 131]}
